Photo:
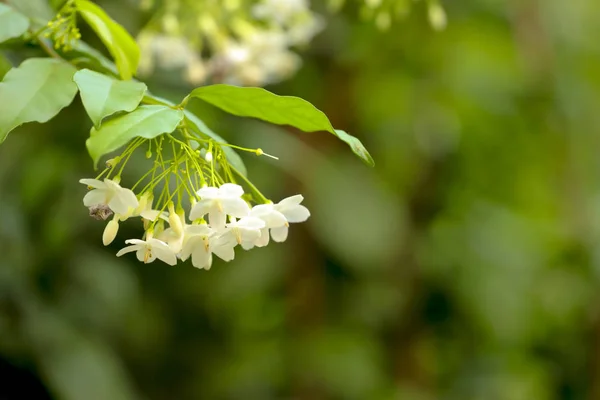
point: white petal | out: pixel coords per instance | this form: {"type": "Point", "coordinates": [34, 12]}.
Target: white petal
{"type": "Point", "coordinates": [263, 240]}
{"type": "Point", "coordinates": [162, 251]}
{"type": "Point", "coordinates": [296, 214]}
{"type": "Point", "coordinates": [261, 210]}
{"type": "Point", "coordinates": [123, 201]}
{"type": "Point", "coordinates": [235, 207]}
{"type": "Point", "coordinates": [136, 241]}
{"type": "Point", "coordinates": [118, 206]}
{"type": "Point", "coordinates": [275, 219]}
{"type": "Point", "coordinates": [201, 208]}
{"type": "Point", "coordinates": [95, 196]}
{"type": "Point", "coordinates": [141, 255]}
{"type": "Point", "coordinates": [189, 246]}
{"type": "Point", "coordinates": [95, 183]}
{"type": "Point", "coordinates": [208, 192]}
{"type": "Point", "coordinates": [250, 235]}
{"type": "Point", "coordinates": [225, 253]}
{"type": "Point", "coordinates": [279, 234]}
{"type": "Point", "coordinates": [290, 201]}
{"type": "Point", "coordinates": [216, 219]}
{"type": "Point", "coordinates": [201, 258]}
{"type": "Point", "coordinates": [150, 215]}
{"type": "Point", "coordinates": [230, 190]}
{"type": "Point", "coordinates": [201, 229]}
{"type": "Point", "coordinates": [128, 249]}
{"type": "Point", "coordinates": [251, 223]}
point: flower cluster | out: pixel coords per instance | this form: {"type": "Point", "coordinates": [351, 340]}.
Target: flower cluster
{"type": "Point", "coordinates": [249, 44]}
{"type": "Point", "coordinates": [220, 215]}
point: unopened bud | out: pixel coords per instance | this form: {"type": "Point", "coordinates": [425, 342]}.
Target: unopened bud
{"type": "Point", "coordinates": [208, 157]}
{"type": "Point", "coordinates": [148, 154]}
{"type": "Point", "coordinates": [175, 220]}
{"type": "Point", "coordinates": [110, 232]}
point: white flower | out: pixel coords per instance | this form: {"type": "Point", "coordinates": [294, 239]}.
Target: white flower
{"type": "Point", "coordinates": [272, 219]}
{"type": "Point", "coordinates": [198, 244]}
{"type": "Point", "coordinates": [219, 202]}
{"type": "Point", "coordinates": [149, 250]}
{"type": "Point", "coordinates": [244, 232]}
{"type": "Point", "coordinates": [293, 212]}
{"type": "Point", "coordinates": [110, 193]}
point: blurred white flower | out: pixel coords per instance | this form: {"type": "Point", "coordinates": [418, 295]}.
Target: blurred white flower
{"type": "Point", "coordinates": [280, 11]}
{"type": "Point", "coordinates": [110, 193]}
{"type": "Point", "coordinates": [149, 250]}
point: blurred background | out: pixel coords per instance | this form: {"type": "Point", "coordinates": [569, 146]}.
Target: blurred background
{"type": "Point", "coordinates": [464, 266]}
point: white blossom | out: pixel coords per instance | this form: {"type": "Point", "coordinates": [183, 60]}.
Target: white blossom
{"type": "Point", "coordinates": [197, 244]}
{"type": "Point", "coordinates": [293, 212]}
{"type": "Point", "coordinates": [149, 250]}
{"type": "Point", "coordinates": [272, 219]}
{"type": "Point", "coordinates": [244, 232]}
{"type": "Point", "coordinates": [218, 203]}
{"type": "Point", "coordinates": [109, 193]}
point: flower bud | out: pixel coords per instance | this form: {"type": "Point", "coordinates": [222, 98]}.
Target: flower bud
{"type": "Point", "coordinates": [208, 157]}
{"type": "Point", "coordinates": [175, 220]}
{"type": "Point", "coordinates": [110, 232]}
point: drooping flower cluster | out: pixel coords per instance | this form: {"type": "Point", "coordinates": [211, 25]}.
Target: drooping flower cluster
{"type": "Point", "coordinates": [220, 216]}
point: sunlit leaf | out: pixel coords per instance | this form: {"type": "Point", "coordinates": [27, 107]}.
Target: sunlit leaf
{"type": "Point", "coordinates": [117, 40]}
{"type": "Point", "coordinates": [12, 23]}
{"type": "Point", "coordinates": [281, 110]}
{"type": "Point", "coordinates": [35, 91]}
{"type": "Point", "coordinates": [146, 122]}
{"type": "Point", "coordinates": [103, 96]}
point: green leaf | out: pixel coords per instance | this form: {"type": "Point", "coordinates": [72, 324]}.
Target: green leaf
{"type": "Point", "coordinates": [35, 91]}
{"type": "Point", "coordinates": [146, 122]}
{"type": "Point", "coordinates": [117, 40]}
{"type": "Point", "coordinates": [199, 126]}
{"type": "Point", "coordinates": [103, 96]}
{"type": "Point", "coordinates": [281, 110]}
{"type": "Point", "coordinates": [12, 23]}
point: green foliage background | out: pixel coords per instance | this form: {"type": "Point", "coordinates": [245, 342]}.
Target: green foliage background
{"type": "Point", "coordinates": [464, 266]}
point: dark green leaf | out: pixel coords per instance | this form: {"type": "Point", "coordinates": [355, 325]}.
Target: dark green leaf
{"type": "Point", "coordinates": [146, 122]}
{"type": "Point", "coordinates": [117, 40]}
{"type": "Point", "coordinates": [281, 110]}
{"type": "Point", "coordinates": [35, 91]}
{"type": "Point", "coordinates": [12, 23]}
{"type": "Point", "coordinates": [103, 96]}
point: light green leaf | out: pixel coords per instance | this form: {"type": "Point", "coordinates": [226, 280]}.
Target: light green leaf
{"type": "Point", "coordinates": [200, 127]}
{"type": "Point", "coordinates": [117, 40]}
{"type": "Point", "coordinates": [35, 91]}
{"type": "Point", "coordinates": [103, 96]}
{"type": "Point", "coordinates": [146, 122]}
{"type": "Point", "coordinates": [281, 110]}
{"type": "Point", "coordinates": [12, 23]}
